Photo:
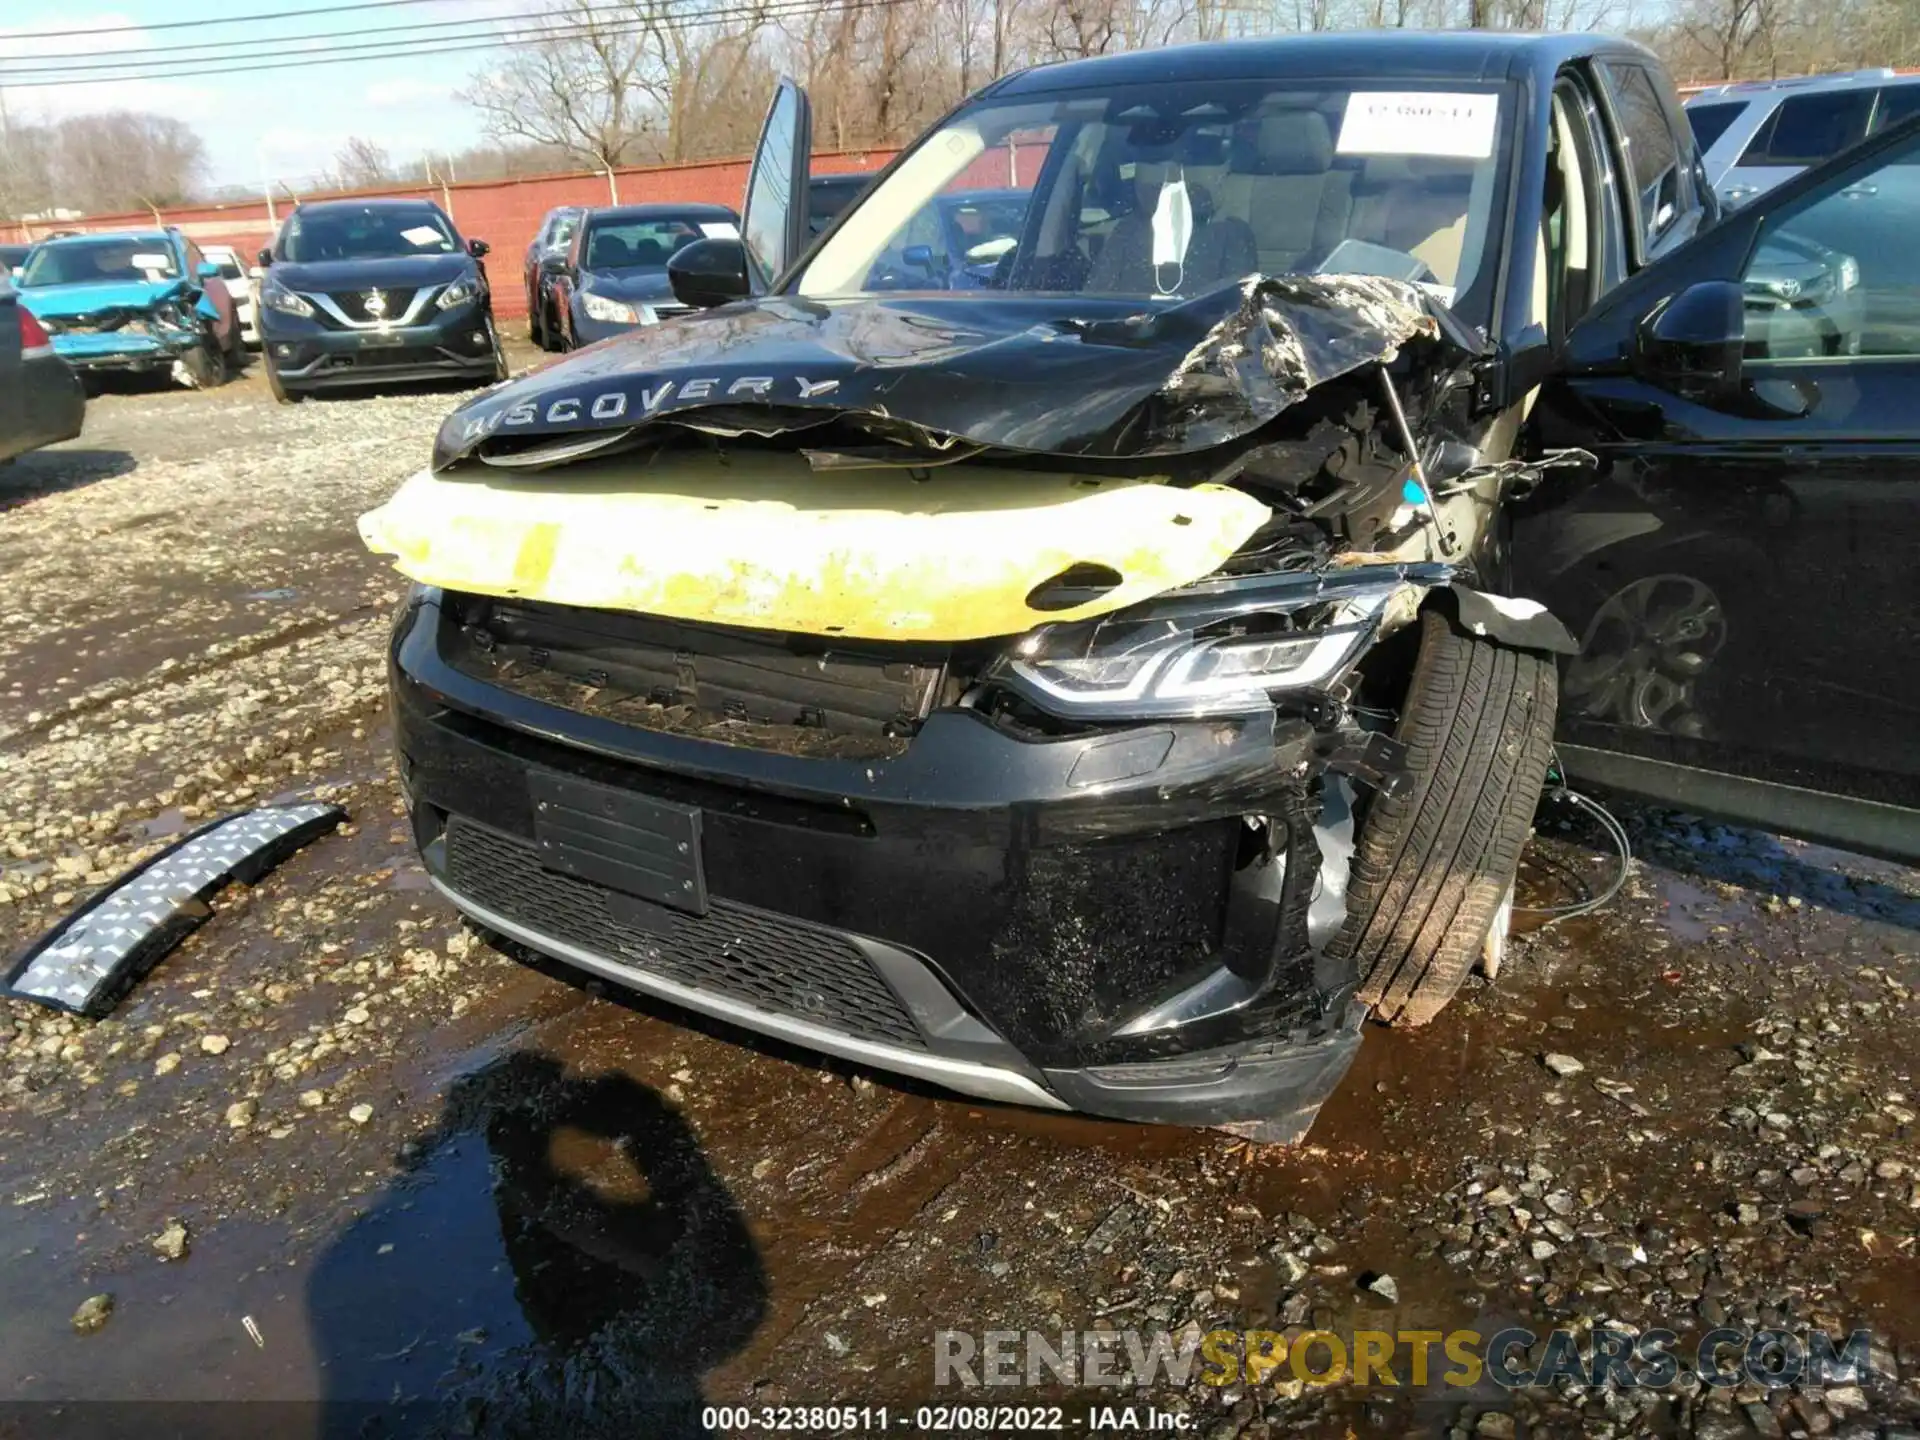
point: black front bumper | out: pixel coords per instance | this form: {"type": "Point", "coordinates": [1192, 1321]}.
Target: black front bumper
{"type": "Point", "coordinates": [455, 344]}
{"type": "Point", "coordinates": [984, 909]}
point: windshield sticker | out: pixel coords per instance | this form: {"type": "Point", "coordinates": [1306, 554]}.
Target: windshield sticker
{"type": "Point", "coordinates": [1419, 122]}
{"type": "Point", "coordinates": [422, 235]}
{"type": "Point", "coordinates": [719, 229]}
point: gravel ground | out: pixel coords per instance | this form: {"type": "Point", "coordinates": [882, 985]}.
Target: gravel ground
{"type": "Point", "coordinates": [339, 1148]}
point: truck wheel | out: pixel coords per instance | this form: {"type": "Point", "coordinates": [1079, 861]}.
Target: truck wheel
{"type": "Point", "coordinates": [1433, 865]}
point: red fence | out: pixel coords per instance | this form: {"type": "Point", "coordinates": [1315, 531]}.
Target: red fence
{"type": "Point", "coordinates": [505, 213]}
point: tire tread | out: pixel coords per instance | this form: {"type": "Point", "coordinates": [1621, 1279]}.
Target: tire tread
{"type": "Point", "coordinates": [1433, 864]}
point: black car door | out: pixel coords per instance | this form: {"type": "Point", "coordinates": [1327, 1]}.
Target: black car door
{"type": "Point", "coordinates": [1740, 571]}
{"type": "Point", "coordinates": [773, 221]}
{"type": "Point", "coordinates": [13, 398]}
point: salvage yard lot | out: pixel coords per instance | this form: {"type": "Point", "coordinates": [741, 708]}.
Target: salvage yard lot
{"type": "Point", "coordinates": [407, 1166]}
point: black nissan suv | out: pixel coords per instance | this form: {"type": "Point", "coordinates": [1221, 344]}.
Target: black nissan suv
{"type": "Point", "coordinates": [361, 292]}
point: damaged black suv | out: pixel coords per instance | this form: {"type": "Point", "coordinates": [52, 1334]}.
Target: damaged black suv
{"type": "Point", "coordinates": [1104, 683]}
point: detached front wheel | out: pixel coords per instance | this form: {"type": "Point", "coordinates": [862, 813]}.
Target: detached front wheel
{"type": "Point", "coordinates": [1434, 864]}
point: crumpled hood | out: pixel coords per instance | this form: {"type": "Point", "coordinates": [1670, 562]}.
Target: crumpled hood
{"type": "Point", "coordinates": [58, 302]}
{"type": "Point", "coordinates": [393, 272]}
{"type": "Point", "coordinates": [1065, 375]}
{"type": "Point", "coordinates": [644, 286]}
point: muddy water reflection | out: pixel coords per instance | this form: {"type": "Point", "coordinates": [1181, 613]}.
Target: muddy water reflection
{"type": "Point", "coordinates": [559, 1256]}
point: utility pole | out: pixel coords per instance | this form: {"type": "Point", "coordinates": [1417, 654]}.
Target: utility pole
{"type": "Point", "coordinates": [266, 174]}
{"type": "Point", "coordinates": [446, 195]}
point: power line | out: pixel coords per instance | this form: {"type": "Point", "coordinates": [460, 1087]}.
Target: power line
{"type": "Point", "coordinates": [222, 20]}
{"type": "Point", "coordinates": [773, 10]}
{"type": "Point", "coordinates": [106, 59]}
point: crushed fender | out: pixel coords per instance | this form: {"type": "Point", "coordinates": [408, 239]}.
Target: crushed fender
{"type": "Point", "coordinates": [94, 956]}
{"type": "Point", "coordinates": [765, 541]}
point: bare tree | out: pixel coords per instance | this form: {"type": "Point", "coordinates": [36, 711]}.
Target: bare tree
{"type": "Point", "coordinates": [362, 165]}
{"type": "Point", "coordinates": [117, 160]}
{"type": "Point", "coordinates": [1733, 36]}
{"type": "Point", "coordinates": [575, 88]}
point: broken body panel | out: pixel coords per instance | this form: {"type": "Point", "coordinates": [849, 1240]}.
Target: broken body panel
{"type": "Point", "coordinates": [123, 325]}
{"type": "Point", "coordinates": [825, 663]}
{"type": "Point", "coordinates": [850, 625]}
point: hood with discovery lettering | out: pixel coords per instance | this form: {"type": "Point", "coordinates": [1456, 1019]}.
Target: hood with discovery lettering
{"type": "Point", "coordinates": [1066, 375]}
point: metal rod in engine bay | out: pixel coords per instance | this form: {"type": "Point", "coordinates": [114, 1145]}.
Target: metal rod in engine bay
{"type": "Point", "coordinates": [1425, 498]}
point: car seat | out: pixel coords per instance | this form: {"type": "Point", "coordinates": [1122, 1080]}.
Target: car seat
{"type": "Point", "coordinates": [1282, 181]}
{"type": "Point", "coordinates": [1221, 248]}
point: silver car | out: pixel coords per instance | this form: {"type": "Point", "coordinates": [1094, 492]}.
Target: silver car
{"type": "Point", "coordinates": [1755, 134]}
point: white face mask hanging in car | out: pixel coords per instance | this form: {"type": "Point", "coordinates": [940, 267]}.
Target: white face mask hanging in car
{"type": "Point", "coordinates": [1172, 233]}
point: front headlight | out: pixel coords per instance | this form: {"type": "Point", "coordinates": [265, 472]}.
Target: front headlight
{"type": "Point", "coordinates": [278, 297]}
{"type": "Point", "coordinates": [466, 288]}
{"type": "Point", "coordinates": [1219, 648]}
{"type": "Point", "coordinates": [599, 307]}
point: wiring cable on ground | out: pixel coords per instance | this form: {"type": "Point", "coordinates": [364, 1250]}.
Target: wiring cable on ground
{"type": "Point", "coordinates": [1615, 832]}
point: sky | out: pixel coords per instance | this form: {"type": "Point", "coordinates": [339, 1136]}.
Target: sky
{"type": "Point", "coordinates": [287, 122]}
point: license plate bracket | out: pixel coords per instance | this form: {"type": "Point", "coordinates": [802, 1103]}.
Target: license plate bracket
{"type": "Point", "coordinates": [632, 843]}
{"type": "Point", "coordinates": [381, 340]}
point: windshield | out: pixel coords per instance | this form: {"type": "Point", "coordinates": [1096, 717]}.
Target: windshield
{"type": "Point", "coordinates": [1169, 191]}
{"type": "Point", "coordinates": [645, 244]}
{"type": "Point", "coordinates": [80, 262]}
{"type": "Point", "coordinates": [372, 233]}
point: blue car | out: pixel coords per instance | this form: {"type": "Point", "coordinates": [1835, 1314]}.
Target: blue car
{"type": "Point", "coordinates": [138, 301]}
{"type": "Point", "coordinates": [614, 276]}
{"type": "Point", "coordinates": [954, 243]}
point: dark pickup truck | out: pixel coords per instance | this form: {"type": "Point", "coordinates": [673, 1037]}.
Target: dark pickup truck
{"type": "Point", "coordinates": [1106, 684]}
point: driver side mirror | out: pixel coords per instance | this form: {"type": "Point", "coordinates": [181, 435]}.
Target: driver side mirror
{"type": "Point", "coordinates": [1692, 344]}
{"type": "Point", "coordinates": [918, 256]}
{"type": "Point", "coordinates": [265, 257]}
{"type": "Point", "coordinates": [709, 272]}
{"type": "Point", "coordinates": [477, 248]}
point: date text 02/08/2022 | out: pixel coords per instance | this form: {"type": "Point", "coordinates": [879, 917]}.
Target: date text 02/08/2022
{"type": "Point", "coordinates": [939, 1419]}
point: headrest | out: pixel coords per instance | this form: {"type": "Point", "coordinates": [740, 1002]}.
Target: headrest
{"type": "Point", "coordinates": [1150, 175]}
{"type": "Point", "coordinates": [1295, 142]}
{"type": "Point", "coordinates": [1204, 149]}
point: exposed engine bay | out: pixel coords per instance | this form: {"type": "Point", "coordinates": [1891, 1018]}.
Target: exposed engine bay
{"type": "Point", "coordinates": [789, 561]}
{"type": "Point", "coordinates": [1061, 652]}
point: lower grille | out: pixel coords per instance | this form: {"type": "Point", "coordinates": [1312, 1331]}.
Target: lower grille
{"type": "Point", "coordinates": [767, 961]}
{"type": "Point", "coordinates": [387, 358]}
{"type": "Point", "coordinates": [759, 689]}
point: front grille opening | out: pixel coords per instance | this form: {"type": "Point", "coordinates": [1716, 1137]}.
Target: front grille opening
{"type": "Point", "coordinates": [354, 304]}
{"type": "Point", "coordinates": [770, 962]}
{"type": "Point", "coordinates": [767, 691]}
